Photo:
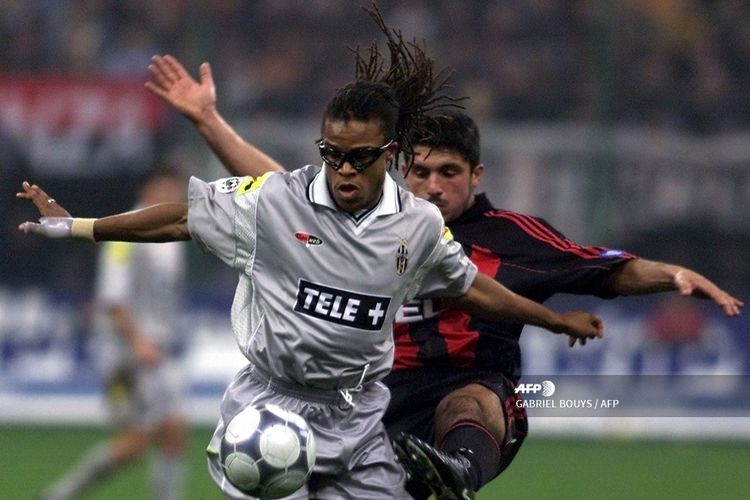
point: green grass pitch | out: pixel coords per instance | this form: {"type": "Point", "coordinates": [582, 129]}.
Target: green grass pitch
{"type": "Point", "coordinates": [545, 468]}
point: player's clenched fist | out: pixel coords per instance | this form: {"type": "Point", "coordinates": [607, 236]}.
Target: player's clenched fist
{"type": "Point", "coordinates": [582, 325]}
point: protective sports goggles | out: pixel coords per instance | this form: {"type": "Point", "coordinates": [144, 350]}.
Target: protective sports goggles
{"type": "Point", "coordinates": [359, 158]}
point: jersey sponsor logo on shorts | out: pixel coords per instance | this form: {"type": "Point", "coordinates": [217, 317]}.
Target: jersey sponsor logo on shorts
{"type": "Point", "coordinates": [417, 310]}
{"type": "Point", "coordinates": [402, 257]}
{"type": "Point", "coordinates": [343, 307]}
{"type": "Point", "coordinates": [228, 185]}
{"type": "Point", "coordinates": [307, 238]}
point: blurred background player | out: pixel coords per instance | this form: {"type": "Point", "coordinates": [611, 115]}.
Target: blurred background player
{"type": "Point", "coordinates": [454, 373]}
{"type": "Point", "coordinates": [139, 290]}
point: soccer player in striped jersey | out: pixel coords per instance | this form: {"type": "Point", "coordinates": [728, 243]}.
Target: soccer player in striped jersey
{"type": "Point", "coordinates": [454, 374]}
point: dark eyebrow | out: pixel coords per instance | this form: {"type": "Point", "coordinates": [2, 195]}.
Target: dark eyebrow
{"type": "Point", "coordinates": [442, 166]}
{"type": "Point", "coordinates": [451, 165]}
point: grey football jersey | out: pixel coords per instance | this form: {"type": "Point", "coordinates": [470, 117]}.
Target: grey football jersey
{"type": "Point", "coordinates": [318, 287]}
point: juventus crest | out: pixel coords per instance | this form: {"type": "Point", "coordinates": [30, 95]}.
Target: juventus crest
{"type": "Point", "coordinates": [402, 257]}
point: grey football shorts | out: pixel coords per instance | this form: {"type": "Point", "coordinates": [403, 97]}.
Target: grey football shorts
{"type": "Point", "coordinates": [354, 458]}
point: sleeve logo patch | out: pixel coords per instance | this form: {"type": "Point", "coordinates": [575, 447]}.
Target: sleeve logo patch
{"type": "Point", "coordinates": [608, 254]}
{"type": "Point", "coordinates": [357, 310]}
{"type": "Point", "coordinates": [228, 185]}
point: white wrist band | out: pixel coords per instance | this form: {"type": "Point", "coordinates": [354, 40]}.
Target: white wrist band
{"type": "Point", "coordinates": [83, 229]}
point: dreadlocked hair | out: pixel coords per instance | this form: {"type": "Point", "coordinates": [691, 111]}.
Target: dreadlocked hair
{"type": "Point", "coordinates": [400, 94]}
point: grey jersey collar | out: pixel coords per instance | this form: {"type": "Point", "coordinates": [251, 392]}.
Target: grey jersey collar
{"type": "Point", "coordinates": [390, 202]}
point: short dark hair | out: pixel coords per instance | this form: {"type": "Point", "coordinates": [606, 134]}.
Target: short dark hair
{"type": "Point", "coordinates": [451, 130]}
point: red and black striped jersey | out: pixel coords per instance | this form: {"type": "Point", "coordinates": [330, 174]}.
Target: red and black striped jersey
{"type": "Point", "coordinates": [525, 254]}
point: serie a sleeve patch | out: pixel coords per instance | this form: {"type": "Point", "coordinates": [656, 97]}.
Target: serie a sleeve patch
{"type": "Point", "coordinates": [228, 185]}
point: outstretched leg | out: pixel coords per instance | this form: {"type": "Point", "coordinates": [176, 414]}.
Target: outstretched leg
{"type": "Point", "coordinates": [479, 429]}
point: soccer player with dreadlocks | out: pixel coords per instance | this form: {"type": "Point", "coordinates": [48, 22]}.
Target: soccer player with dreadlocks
{"type": "Point", "coordinates": [454, 373]}
{"type": "Point", "coordinates": [325, 256]}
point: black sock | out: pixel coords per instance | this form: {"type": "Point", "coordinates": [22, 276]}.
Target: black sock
{"type": "Point", "coordinates": [484, 452]}
{"type": "Point", "coordinates": [417, 489]}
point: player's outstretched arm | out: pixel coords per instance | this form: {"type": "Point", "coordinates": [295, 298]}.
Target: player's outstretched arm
{"type": "Point", "coordinates": [641, 276]}
{"type": "Point", "coordinates": [491, 300]}
{"type": "Point", "coordinates": [157, 223]}
{"type": "Point", "coordinates": [197, 102]}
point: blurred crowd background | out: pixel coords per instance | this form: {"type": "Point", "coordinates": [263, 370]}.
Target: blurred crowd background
{"type": "Point", "coordinates": [681, 64]}
{"type": "Point", "coordinates": [623, 122]}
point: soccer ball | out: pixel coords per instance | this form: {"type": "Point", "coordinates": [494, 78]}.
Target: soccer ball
{"type": "Point", "coordinates": [267, 452]}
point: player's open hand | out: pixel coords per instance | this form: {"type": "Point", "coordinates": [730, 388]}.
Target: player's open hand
{"type": "Point", "coordinates": [46, 204]}
{"type": "Point", "coordinates": [55, 222]}
{"type": "Point", "coordinates": [691, 283]}
{"type": "Point", "coordinates": [171, 82]}
{"type": "Point", "coordinates": [580, 326]}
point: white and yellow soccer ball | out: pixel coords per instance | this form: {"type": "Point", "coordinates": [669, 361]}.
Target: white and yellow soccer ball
{"type": "Point", "coordinates": [267, 452]}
